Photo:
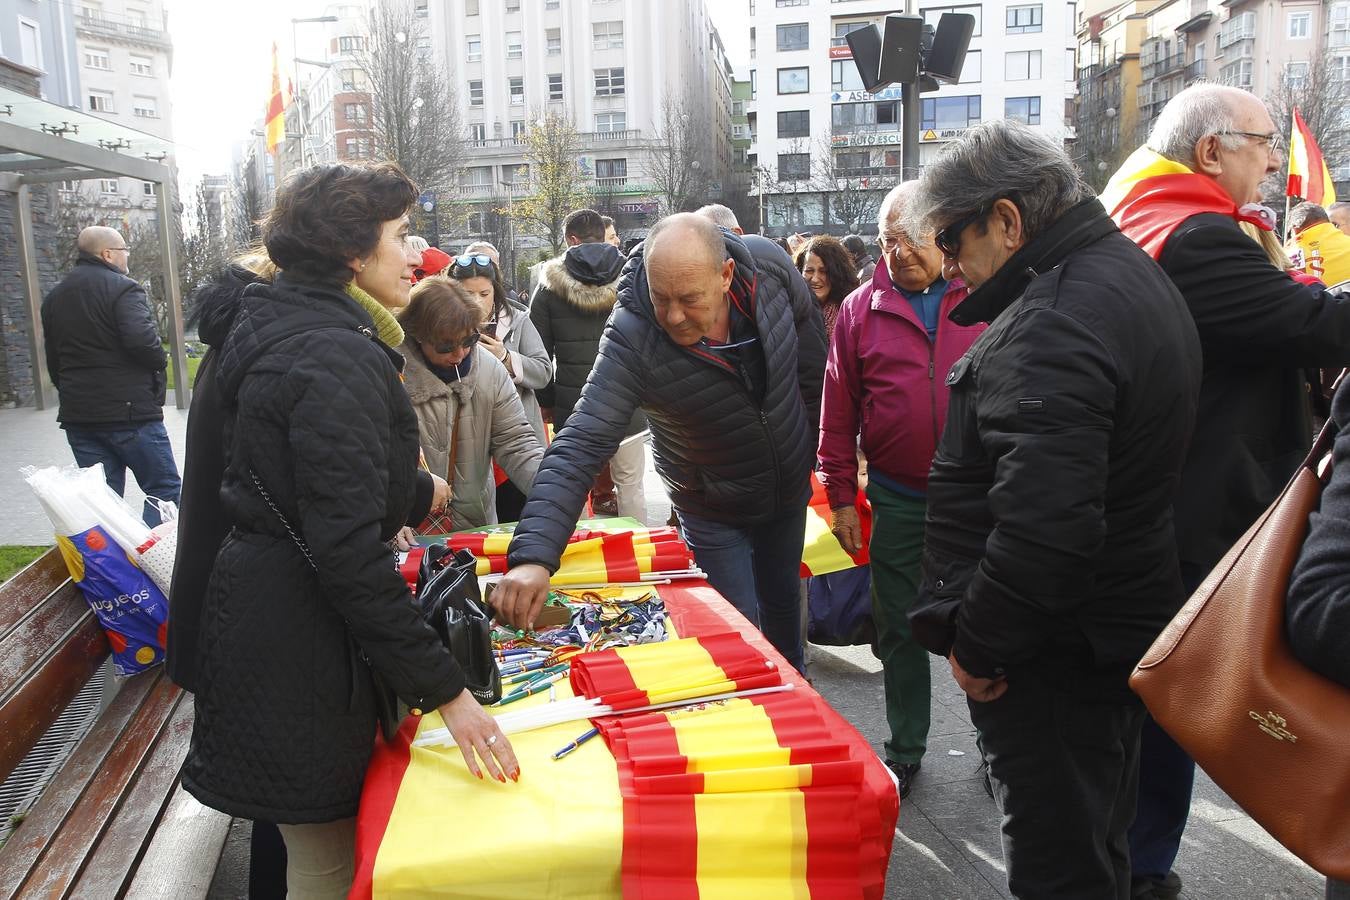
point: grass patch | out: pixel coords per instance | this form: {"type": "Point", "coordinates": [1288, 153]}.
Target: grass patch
{"type": "Point", "coordinates": [192, 363]}
{"type": "Point", "coordinates": [14, 557]}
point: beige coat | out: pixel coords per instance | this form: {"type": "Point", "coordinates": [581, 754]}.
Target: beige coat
{"type": "Point", "coordinates": [492, 425]}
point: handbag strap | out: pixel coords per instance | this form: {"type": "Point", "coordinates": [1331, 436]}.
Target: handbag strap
{"type": "Point", "coordinates": [281, 517]}
{"type": "Point", "coordinates": [454, 446]}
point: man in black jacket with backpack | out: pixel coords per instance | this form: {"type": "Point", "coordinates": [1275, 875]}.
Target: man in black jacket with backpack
{"type": "Point", "coordinates": [106, 360]}
{"type": "Point", "coordinates": [718, 340]}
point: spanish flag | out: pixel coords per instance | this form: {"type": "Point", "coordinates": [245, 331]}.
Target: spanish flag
{"type": "Point", "coordinates": [821, 553]}
{"type": "Point", "coordinates": [276, 108]}
{"type": "Point", "coordinates": [1309, 177]}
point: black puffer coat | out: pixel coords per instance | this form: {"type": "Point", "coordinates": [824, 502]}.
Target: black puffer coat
{"type": "Point", "coordinates": [103, 352]}
{"type": "Point", "coordinates": [1048, 542]}
{"type": "Point", "coordinates": [285, 710]}
{"type": "Point", "coordinates": [722, 455]}
{"type": "Point", "coordinates": [572, 303]}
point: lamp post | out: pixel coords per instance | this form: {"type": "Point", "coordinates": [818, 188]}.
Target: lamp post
{"type": "Point", "coordinates": [295, 64]}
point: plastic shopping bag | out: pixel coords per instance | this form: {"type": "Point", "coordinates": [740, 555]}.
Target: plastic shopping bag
{"type": "Point", "coordinates": [98, 534]}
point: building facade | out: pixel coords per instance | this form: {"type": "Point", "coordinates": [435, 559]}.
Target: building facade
{"type": "Point", "coordinates": [37, 40]}
{"type": "Point", "coordinates": [819, 138]}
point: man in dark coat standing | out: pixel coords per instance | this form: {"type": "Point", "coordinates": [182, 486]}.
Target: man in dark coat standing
{"type": "Point", "coordinates": [1181, 197]}
{"type": "Point", "coordinates": [1050, 563]}
{"type": "Point", "coordinates": [718, 340]}
{"type": "Point", "coordinates": [105, 358]}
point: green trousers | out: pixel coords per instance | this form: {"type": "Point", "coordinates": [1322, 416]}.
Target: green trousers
{"type": "Point", "coordinates": [896, 548]}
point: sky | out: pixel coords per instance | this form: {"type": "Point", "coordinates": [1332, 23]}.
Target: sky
{"type": "Point", "coordinates": [222, 67]}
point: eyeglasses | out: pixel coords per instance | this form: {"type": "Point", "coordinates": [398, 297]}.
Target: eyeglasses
{"type": "Point", "coordinates": [466, 344]}
{"type": "Point", "coordinates": [463, 262]}
{"type": "Point", "coordinates": [893, 240]}
{"type": "Point", "coordinates": [1274, 139]}
{"type": "Point", "coordinates": [948, 240]}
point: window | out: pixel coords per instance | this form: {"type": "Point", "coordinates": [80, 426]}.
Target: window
{"type": "Point", "coordinates": [754, 83]}
{"type": "Point", "coordinates": [355, 112]}
{"type": "Point", "coordinates": [555, 86]}
{"type": "Point", "coordinates": [1022, 65]}
{"type": "Point", "coordinates": [852, 161]}
{"type": "Point", "coordinates": [512, 6]}
{"type": "Point", "coordinates": [932, 16]}
{"type": "Point", "coordinates": [517, 90]}
{"type": "Point", "coordinates": [478, 133]}
{"type": "Point", "coordinates": [144, 108]}
{"type": "Point", "coordinates": [607, 35]}
{"type": "Point", "coordinates": [1238, 28]}
{"type": "Point", "coordinates": [844, 76]}
{"type": "Point", "coordinates": [1024, 19]}
{"type": "Point", "coordinates": [513, 45]}
{"type": "Point", "coordinates": [476, 92]}
{"type": "Point", "coordinates": [1338, 30]}
{"type": "Point", "coordinates": [609, 82]}
{"type": "Point", "coordinates": [611, 171]}
{"type": "Point", "coordinates": [613, 121]}
{"type": "Point", "coordinates": [147, 189]}
{"type": "Point", "coordinates": [553, 41]}
{"type": "Point", "coordinates": [1296, 75]}
{"type": "Point", "coordinates": [143, 65]}
{"type": "Point", "coordinates": [1237, 74]}
{"type": "Point", "coordinates": [92, 11]}
{"type": "Point", "coordinates": [794, 81]}
{"type": "Point", "coordinates": [1026, 110]}
{"type": "Point", "coordinates": [794, 166]}
{"type": "Point", "coordinates": [844, 28]}
{"type": "Point", "coordinates": [107, 185]}
{"type": "Point", "coordinates": [101, 101]}
{"type": "Point", "coordinates": [470, 7]}
{"type": "Point", "coordinates": [351, 43]}
{"type": "Point", "coordinates": [97, 59]}
{"type": "Point", "coordinates": [420, 9]}
{"type": "Point", "coordinates": [794, 123]}
{"type": "Point", "coordinates": [354, 80]}
{"type": "Point", "coordinates": [358, 148]}
{"type": "Point", "coordinates": [782, 3]}
{"type": "Point", "coordinates": [518, 130]}
{"type": "Point", "coordinates": [1200, 52]}
{"type": "Point", "coordinates": [1300, 25]}
{"type": "Point", "coordinates": [30, 43]}
{"type": "Point", "coordinates": [793, 37]}
{"type": "Point", "coordinates": [551, 4]}
{"type": "Point", "coordinates": [476, 176]}
{"type": "Point", "coordinates": [737, 108]}
{"type": "Point", "coordinates": [516, 173]}
{"type": "Point", "coordinates": [943, 113]}
{"type": "Point", "coordinates": [972, 66]}
{"type": "Point", "coordinates": [474, 51]}
{"type": "Point", "coordinates": [474, 223]}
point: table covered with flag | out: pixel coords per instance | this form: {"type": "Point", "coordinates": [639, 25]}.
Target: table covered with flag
{"type": "Point", "coordinates": [765, 796]}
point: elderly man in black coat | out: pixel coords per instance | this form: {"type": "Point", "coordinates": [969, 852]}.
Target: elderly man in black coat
{"type": "Point", "coordinates": [105, 358]}
{"type": "Point", "coordinates": [718, 340]}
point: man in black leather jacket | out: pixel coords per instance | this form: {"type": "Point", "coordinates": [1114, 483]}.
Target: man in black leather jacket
{"type": "Point", "coordinates": [1050, 563]}
{"type": "Point", "coordinates": [718, 340]}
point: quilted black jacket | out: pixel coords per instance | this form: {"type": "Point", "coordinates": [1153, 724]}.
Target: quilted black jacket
{"type": "Point", "coordinates": [721, 455]}
{"type": "Point", "coordinates": [285, 708]}
{"type": "Point", "coordinates": [1048, 542]}
{"type": "Point", "coordinates": [103, 352]}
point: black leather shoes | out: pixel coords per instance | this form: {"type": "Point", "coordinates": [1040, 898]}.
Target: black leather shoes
{"type": "Point", "coordinates": [904, 775]}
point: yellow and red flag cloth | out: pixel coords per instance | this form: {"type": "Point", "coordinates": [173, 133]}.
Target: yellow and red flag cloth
{"type": "Point", "coordinates": [1150, 196]}
{"type": "Point", "coordinates": [276, 108]}
{"type": "Point", "coordinates": [768, 796]}
{"type": "Point", "coordinates": [1309, 177]}
{"type": "Point", "coordinates": [821, 553]}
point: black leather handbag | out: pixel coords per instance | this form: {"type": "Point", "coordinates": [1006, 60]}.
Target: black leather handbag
{"type": "Point", "coordinates": [452, 604]}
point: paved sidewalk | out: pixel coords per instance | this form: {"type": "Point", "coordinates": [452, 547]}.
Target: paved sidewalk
{"type": "Point", "coordinates": [947, 843]}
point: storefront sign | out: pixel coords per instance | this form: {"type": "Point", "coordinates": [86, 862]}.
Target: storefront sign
{"type": "Point", "coordinates": [639, 207]}
{"type": "Point", "coordinates": [844, 52]}
{"type": "Point", "coordinates": [890, 93]}
{"type": "Point", "coordinates": [871, 139]}
{"type": "Point", "coordinates": [946, 134]}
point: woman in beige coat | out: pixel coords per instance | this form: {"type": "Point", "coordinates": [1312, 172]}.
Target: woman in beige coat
{"type": "Point", "coordinates": [462, 395]}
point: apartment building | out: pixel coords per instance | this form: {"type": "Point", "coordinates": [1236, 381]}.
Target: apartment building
{"type": "Point", "coordinates": [607, 66]}
{"type": "Point", "coordinates": [810, 116]}
{"type": "Point", "coordinates": [125, 58]}
{"type": "Point", "coordinates": [37, 41]}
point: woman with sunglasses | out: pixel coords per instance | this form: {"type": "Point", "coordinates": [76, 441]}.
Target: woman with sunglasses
{"type": "Point", "coordinates": [468, 411]}
{"type": "Point", "coordinates": [509, 336]}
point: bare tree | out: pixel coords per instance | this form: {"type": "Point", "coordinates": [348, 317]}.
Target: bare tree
{"type": "Point", "coordinates": [1322, 97]}
{"type": "Point", "coordinates": [853, 193]}
{"type": "Point", "coordinates": [415, 121]}
{"type": "Point", "coordinates": [552, 147]}
{"type": "Point", "coordinates": [679, 167]}
{"type": "Point", "coordinates": [245, 212]}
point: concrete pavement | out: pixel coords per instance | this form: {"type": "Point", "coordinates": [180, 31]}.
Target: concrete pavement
{"type": "Point", "coordinates": [947, 842]}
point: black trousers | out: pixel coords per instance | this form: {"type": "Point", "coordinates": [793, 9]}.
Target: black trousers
{"type": "Point", "coordinates": [1065, 770]}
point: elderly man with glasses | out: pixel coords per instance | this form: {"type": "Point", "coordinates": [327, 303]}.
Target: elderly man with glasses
{"type": "Point", "coordinates": [106, 360]}
{"type": "Point", "coordinates": [1181, 197]}
{"type": "Point", "coordinates": [1049, 562]}
{"type": "Point", "coordinates": [892, 346]}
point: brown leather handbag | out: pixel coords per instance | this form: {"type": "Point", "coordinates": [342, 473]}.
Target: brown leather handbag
{"type": "Point", "coordinates": [1223, 682]}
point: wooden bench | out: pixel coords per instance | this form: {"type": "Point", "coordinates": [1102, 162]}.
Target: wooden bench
{"type": "Point", "coordinates": [113, 821]}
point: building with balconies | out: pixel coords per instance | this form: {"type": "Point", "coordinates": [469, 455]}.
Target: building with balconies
{"type": "Point", "coordinates": [1110, 72]}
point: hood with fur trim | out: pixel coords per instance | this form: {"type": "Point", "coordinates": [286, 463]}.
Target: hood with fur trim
{"type": "Point", "coordinates": [587, 276]}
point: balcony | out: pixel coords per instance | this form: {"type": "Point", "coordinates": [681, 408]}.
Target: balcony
{"type": "Point", "coordinates": [1165, 66]}
{"type": "Point", "coordinates": [1196, 70]}
{"type": "Point", "coordinates": [104, 25]}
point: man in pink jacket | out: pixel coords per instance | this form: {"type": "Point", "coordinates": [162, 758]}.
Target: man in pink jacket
{"type": "Point", "coordinates": [892, 347]}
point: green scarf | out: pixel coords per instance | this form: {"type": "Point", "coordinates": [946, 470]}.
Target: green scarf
{"type": "Point", "coordinates": [386, 326]}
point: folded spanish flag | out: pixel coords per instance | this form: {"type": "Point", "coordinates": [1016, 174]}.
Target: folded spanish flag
{"type": "Point", "coordinates": [648, 674]}
{"type": "Point", "coordinates": [821, 553]}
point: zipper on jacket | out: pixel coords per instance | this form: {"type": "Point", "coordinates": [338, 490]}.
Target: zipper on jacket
{"type": "Point", "coordinates": [932, 390]}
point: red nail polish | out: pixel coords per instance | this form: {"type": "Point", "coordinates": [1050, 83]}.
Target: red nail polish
{"type": "Point", "coordinates": [515, 776]}
{"type": "Point", "coordinates": [480, 775]}
{"type": "Point", "coordinates": [501, 778]}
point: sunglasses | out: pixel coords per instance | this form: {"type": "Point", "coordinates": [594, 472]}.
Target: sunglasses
{"type": "Point", "coordinates": [465, 344]}
{"type": "Point", "coordinates": [477, 259]}
{"type": "Point", "coordinates": [948, 240]}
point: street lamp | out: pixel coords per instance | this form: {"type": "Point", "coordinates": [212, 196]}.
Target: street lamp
{"type": "Point", "coordinates": [295, 60]}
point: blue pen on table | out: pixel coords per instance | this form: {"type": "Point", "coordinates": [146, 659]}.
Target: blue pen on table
{"type": "Point", "coordinates": [575, 744]}
{"type": "Point", "coordinates": [517, 668]}
{"type": "Point", "coordinates": [532, 687]}
{"type": "Point", "coordinates": [521, 677]}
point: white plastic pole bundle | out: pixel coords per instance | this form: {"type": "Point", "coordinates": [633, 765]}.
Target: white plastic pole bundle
{"type": "Point", "coordinates": [578, 708]}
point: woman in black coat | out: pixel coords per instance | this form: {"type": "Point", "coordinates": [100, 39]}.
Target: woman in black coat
{"type": "Point", "coordinates": [1317, 614]}
{"type": "Point", "coordinates": [303, 600]}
